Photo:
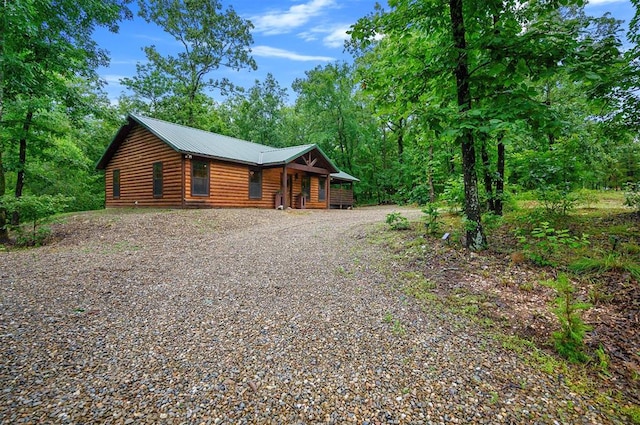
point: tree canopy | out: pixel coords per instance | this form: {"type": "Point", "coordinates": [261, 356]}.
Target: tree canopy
{"type": "Point", "coordinates": [460, 101]}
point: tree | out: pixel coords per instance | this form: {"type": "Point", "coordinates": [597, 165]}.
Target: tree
{"type": "Point", "coordinates": [475, 235]}
{"type": "Point", "coordinates": [326, 98]}
{"type": "Point", "coordinates": [258, 115]}
{"type": "Point", "coordinates": [210, 39]}
{"type": "Point", "coordinates": [44, 45]}
{"type": "Point", "coordinates": [498, 63]}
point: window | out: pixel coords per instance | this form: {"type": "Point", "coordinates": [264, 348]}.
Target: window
{"type": "Point", "coordinates": [306, 186]}
{"type": "Point", "coordinates": [116, 184]}
{"type": "Point", "coordinates": [255, 183]}
{"type": "Point", "coordinates": [199, 178]}
{"type": "Point", "coordinates": [157, 179]}
{"type": "Point", "coordinates": [322, 188]}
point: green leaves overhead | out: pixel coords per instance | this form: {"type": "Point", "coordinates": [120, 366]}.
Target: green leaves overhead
{"type": "Point", "coordinates": [210, 37]}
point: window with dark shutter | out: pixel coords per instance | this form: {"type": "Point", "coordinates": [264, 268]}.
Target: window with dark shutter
{"type": "Point", "coordinates": [116, 184]}
{"type": "Point", "coordinates": [157, 179]}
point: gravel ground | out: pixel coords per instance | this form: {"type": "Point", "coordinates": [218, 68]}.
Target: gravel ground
{"type": "Point", "coordinates": [245, 316]}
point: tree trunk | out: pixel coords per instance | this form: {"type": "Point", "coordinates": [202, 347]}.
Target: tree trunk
{"type": "Point", "coordinates": [4, 234]}
{"type": "Point", "coordinates": [547, 102]}
{"type": "Point", "coordinates": [475, 239]}
{"type": "Point", "coordinates": [400, 140]}
{"type": "Point", "coordinates": [486, 172]}
{"type": "Point", "coordinates": [22, 160]}
{"type": "Point", "coordinates": [432, 190]}
{"type": "Point", "coordinates": [500, 181]}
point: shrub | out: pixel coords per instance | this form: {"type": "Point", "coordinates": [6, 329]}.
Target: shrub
{"type": "Point", "coordinates": [34, 210]}
{"type": "Point", "coordinates": [558, 200]}
{"type": "Point", "coordinates": [545, 242]}
{"type": "Point", "coordinates": [569, 340]}
{"type": "Point", "coordinates": [431, 219]}
{"type": "Point", "coordinates": [396, 221]}
{"type": "Point", "coordinates": [453, 194]}
{"type": "Point", "coordinates": [632, 196]}
{"type": "Point", "coordinates": [491, 221]}
{"type": "Point", "coordinates": [587, 197]}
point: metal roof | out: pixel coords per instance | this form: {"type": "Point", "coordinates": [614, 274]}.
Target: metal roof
{"type": "Point", "coordinates": [199, 142]}
{"type": "Point", "coordinates": [189, 140]}
{"type": "Point", "coordinates": [341, 175]}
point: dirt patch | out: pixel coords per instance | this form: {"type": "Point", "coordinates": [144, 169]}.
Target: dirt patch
{"type": "Point", "coordinates": [507, 290]}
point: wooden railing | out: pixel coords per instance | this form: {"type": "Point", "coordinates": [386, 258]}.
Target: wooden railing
{"type": "Point", "coordinates": [341, 198]}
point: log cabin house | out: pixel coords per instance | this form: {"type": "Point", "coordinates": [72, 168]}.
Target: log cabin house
{"type": "Point", "coordinates": [155, 163]}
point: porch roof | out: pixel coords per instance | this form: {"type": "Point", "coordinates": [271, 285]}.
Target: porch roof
{"type": "Point", "coordinates": [341, 176]}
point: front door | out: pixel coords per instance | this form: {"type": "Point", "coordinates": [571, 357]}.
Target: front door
{"type": "Point", "coordinates": [289, 190]}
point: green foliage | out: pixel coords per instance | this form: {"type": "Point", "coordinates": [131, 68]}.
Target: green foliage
{"type": "Point", "coordinates": [632, 196]}
{"type": "Point", "coordinates": [453, 194]}
{"type": "Point", "coordinates": [558, 200]}
{"type": "Point", "coordinates": [602, 360]}
{"type": "Point", "coordinates": [418, 286]}
{"type": "Point", "coordinates": [612, 261]}
{"type": "Point", "coordinates": [587, 197]}
{"type": "Point", "coordinates": [491, 221]}
{"type": "Point", "coordinates": [397, 221]}
{"type": "Point", "coordinates": [432, 219]}
{"type": "Point", "coordinates": [569, 340]}
{"type": "Point", "coordinates": [258, 115]}
{"type": "Point", "coordinates": [397, 328]}
{"type": "Point", "coordinates": [34, 209]}
{"type": "Point", "coordinates": [210, 38]}
{"type": "Point", "coordinates": [544, 243]}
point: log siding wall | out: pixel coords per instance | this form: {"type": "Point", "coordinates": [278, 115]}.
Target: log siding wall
{"type": "Point", "coordinates": [135, 159]}
{"type": "Point", "coordinates": [228, 182]}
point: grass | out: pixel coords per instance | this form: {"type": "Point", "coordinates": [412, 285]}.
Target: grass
{"type": "Point", "coordinates": [121, 246]}
{"type": "Point", "coordinates": [611, 247]}
{"type": "Point", "coordinates": [397, 328]}
{"type": "Point", "coordinates": [607, 263]}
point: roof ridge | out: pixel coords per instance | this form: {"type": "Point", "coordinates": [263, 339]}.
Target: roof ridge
{"type": "Point", "coordinates": [196, 129]}
{"type": "Point", "coordinates": [275, 149]}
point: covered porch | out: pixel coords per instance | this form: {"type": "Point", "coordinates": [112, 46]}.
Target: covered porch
{"type": "Point", "coordinates": [341, 190]}
{"type": "Point", "coordinates": [305, 181]}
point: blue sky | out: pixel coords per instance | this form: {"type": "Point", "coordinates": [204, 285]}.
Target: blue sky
{"type": "Point", "coordinates": [290, 37]}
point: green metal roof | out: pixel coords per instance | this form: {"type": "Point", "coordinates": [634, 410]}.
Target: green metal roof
{"type": "Point", "coordinates": [192, 141]}
{"type": "Point", "coordinates": [342, 176]}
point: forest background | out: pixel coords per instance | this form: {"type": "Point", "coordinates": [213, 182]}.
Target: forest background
{"type": "Point", "coordinates": [443, 101]}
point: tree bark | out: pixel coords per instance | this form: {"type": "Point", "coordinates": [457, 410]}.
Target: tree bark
{"type": "Point", "coordinates": [486, 172]}
{"type": "Point", "coordinates": [500, 181]}
{"type": "Point", "coordinates": [400, 139]}
{"type": "Point", "coordinates": [4, 234]}
{"type": "Point", "coordinates": [22, 160]}
{"type": "Point", "coordinates": [432, 190]}
{"type": "Point", "coordinates": [475, 239]}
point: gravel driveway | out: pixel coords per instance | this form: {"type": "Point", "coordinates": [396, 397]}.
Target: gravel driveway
{"type": "Point", "coordinates": [245, 316]}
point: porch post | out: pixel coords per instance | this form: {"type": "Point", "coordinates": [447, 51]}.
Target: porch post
{"type": "Point", "coordinates": [327, 186]}
{"type": "Point", "coordinates": [284, 187]}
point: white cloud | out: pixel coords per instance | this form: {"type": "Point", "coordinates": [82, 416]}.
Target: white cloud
{"type": "Point", "coordinates": [273, 52]}
{"type": "Point", "coordinates": [113, 79]}
{"type": "Point", "coordinates": [308, 36]}
{"type": "Point", "coordinates": [336, 36]}
{"type": "Point", "coordinates": [149, 37]}
{"type": "Point", "coordinates": [128, 62]}
{"type": "Point", "coordinates": [282, 22]}
{"type": "Point", "coordinates": [332, 36]}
